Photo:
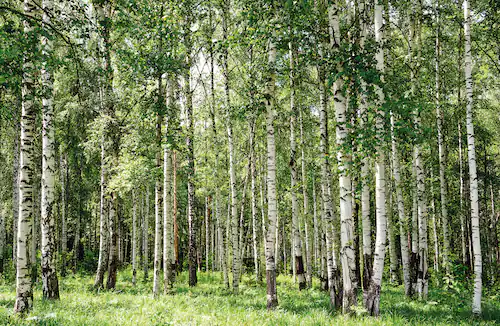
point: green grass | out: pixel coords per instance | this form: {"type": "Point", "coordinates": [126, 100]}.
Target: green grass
{"type": "Point", "coordinates": [209, 303]}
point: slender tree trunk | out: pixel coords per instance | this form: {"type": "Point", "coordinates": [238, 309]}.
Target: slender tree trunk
{"type": "Point", "coordinates": [316, 239]}
{"type": "Point", "coordinates": [64, 209]}
{"type": "Point", "coordinates": [327, 205]}
{"type": "Point", "coordinates": [103, 228]}
{"type": "Point", "coordinates": [15, 186]}
{"type": "Point", "coordinates": [372, 298]}
{"type": "Point", "coordinates": [168, 221]}
{"type": "Point", "coordinates": [3, 244]}
{"type": "Point", "coordinates": [255, 244]}
{"type": "Point", "coordinates": [134, 238]}
{"type": "Point", "coordinates": [193, 280]}
{"type": "Point", "coordinates": [434, 225]}
{"type": "Point", "coordinates": [442, 155]}
{"type": "Point", "coordinates": [403, 218]}
{"type": "Point", "coordinates": [365, 167]}
{"type": "Point", "coordinates": [393, 256]}
{"type": "Point", "coordinates": [158, 199]}
{"type": "Point", "coordinates": [113, 242]}
{"type": "Point", "coordinates": [297, 241]}
{"type": "Point", "coordinates": [49, 275]}
{"type": "Point", "coordinates": [174, 207]}
{"type": "Point", "coordinates": [471, 153]}
{"type": "Point", "coordinates": [145, 236]}
{"type": "Point", "coordinates": [305, 212]}
{"type": "Point", "coordinates": [272, 209]}
{"type": "Point", "coordinates": [207, 233]}
{"type": "Point", "coordinates": [348, 256]}
{"type": "Point", "coordinates": [24, 291]}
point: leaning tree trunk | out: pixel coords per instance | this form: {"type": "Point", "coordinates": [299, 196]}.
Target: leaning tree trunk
{"type": "Point", "coordinates": [471, 153]}
{"type": "Point", "coordinates": [272, 209]}
{"type": "Point", "coordinates": [24, 291]}
{"type": "Point", "coordinates": [297, 241]}
{"type": "Point", "coordinates": [50, 285]}
{"type": "Point", "coordinates": [372, 298]}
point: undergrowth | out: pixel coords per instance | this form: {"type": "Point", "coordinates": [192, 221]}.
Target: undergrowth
{"type": "Point", "coordinates": [209, 303]}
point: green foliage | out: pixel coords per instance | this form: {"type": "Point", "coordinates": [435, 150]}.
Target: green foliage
{"type": "Point", "coordinates": [211, 303]}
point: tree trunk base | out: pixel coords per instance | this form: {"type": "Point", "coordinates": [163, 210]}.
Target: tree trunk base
{"type": "Point", "coordinates": [272, 297]}
{"type": "Point", "coordinates": [371, 299]}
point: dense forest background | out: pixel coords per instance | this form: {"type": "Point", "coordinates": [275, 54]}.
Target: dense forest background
{"type": "Point", "coordinates": [353, 145]}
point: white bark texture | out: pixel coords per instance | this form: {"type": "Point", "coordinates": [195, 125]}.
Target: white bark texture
{"type": "Point", "coordinates": [298, 262]}
{"type": "Point", "coordinates": [24, 291]}
{"type": "Point", "coordinates": [471, 153]}
{"type": "Point", "coordinates": [50, 284]}
{"type": "Point", "coordinates": [403, 218]}
{"type": "Point", "coordinates": [372, 299]}
{"type": "Point", "coordinates": [272, 209]}
{"type": "Point", "coordinates": [347, 253]}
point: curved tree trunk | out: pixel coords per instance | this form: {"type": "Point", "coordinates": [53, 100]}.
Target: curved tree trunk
{"type": "Point", "coordinates": [49, 275]}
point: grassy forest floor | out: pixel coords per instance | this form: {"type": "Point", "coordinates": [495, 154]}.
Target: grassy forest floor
{"type": "Point", "coordinates": [210, 304]}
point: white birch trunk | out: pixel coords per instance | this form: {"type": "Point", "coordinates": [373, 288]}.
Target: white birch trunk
{"type": "Point", "coordinates": [403, 218]}
{"type": "Point", "coordinates": [442, 155]}
{"type": "Point", "coordinates": [297, 241]}
{"type": "Point", "coordinates": [134, 238]}
{"type": "Point", "coordinates": [471, 153]}
{"type": "Point", "coordinates": [15, 186]}
{"type": "Point", "coordinates": [158, 204]}
{"type": "Point", "coordinates": [372, 298]}
{"type": "Point", "coordinates": [145, 236]}
{"type": "Point", "coordinates": [272, 209]}
{"type": "Point", "coordinates": [49, 275]}
{"type": "Point", "coordinates": [255, 244]}
{"type": "Point", "coordinates": [347, 253]}
{"type": "Point", "coordinates": [103, 227]}
{"type": "Point", "coordinates": [24, 291]}
{"type": "Point", "coordinates": [305, 213]}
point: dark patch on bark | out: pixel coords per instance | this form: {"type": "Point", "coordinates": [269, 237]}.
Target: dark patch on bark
{"type": "Point", "coordinates": [367, 271]}
{"type": "Point", "coordinates": [372, 299]}
{"type": "Point", "coordinates": [299, 267]}
{"type": "Point", "coordinates": [272, 297]}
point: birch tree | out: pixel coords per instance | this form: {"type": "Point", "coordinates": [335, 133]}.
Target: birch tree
{"type": "Point", "coordinates": [24, 290]}
{"type": "Point", "coordinates": [49, 275]}
{"type": "Point", "coordinates": [372, 297]}
{"type": "Point", "coordinates": [471, 153]}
